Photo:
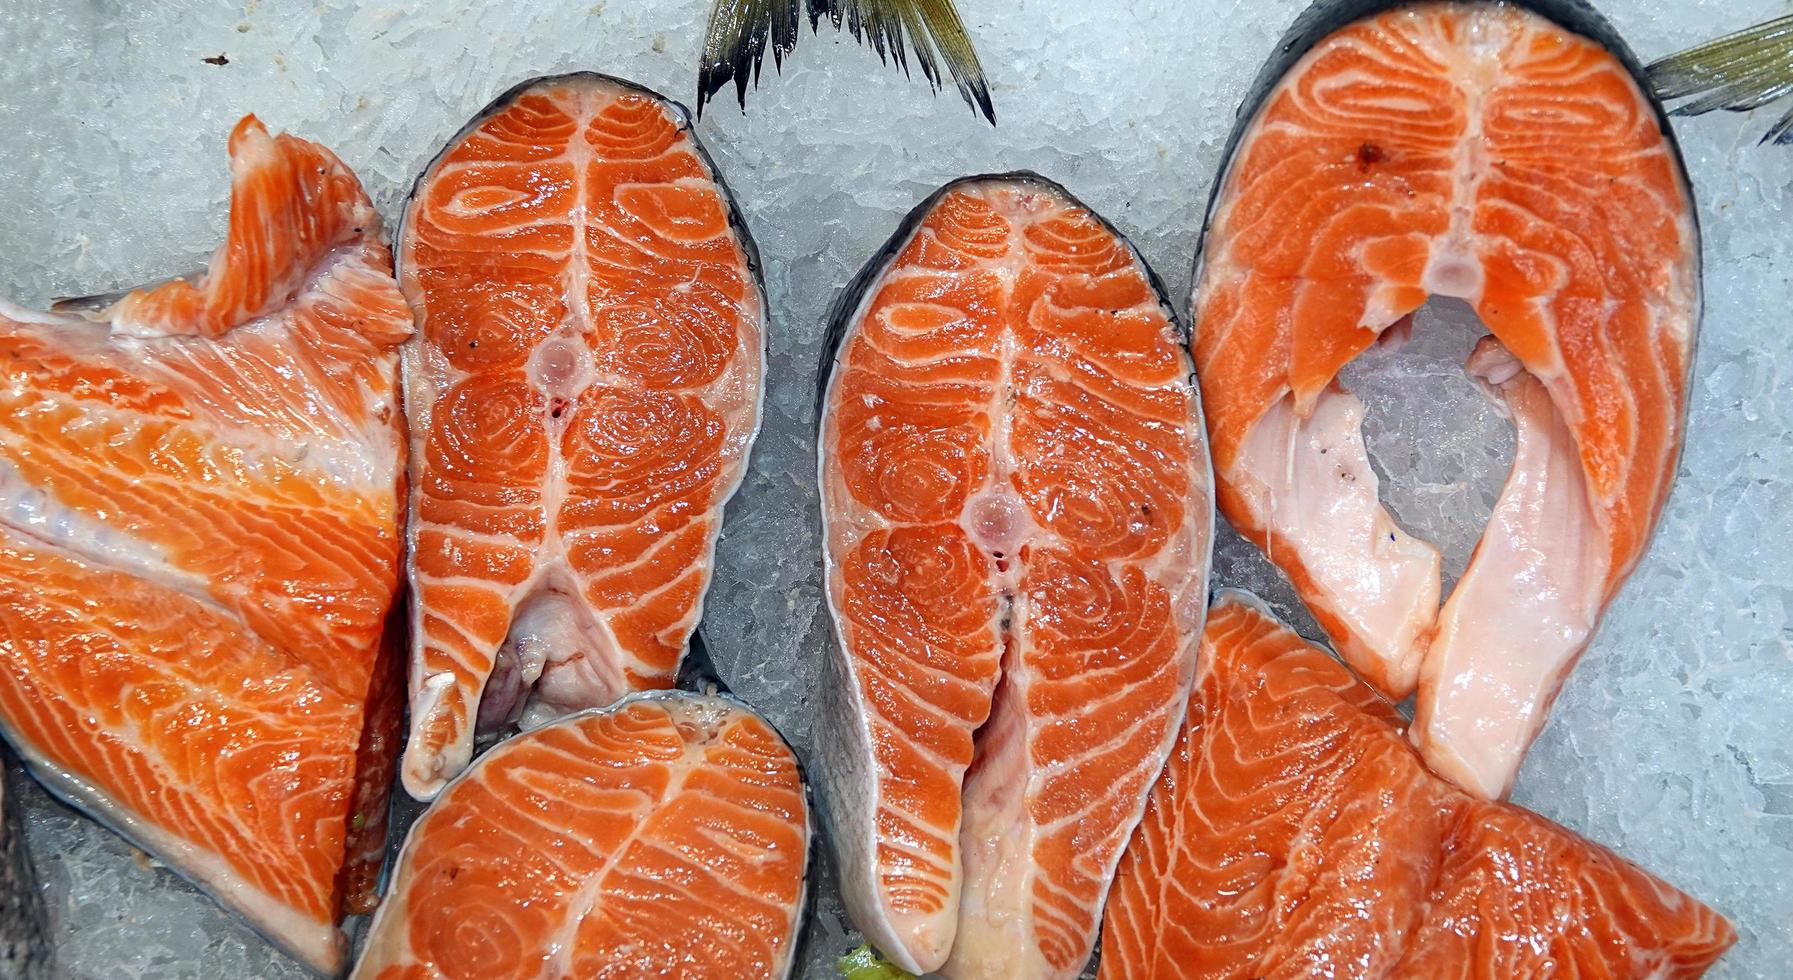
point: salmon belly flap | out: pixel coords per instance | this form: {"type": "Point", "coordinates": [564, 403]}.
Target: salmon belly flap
{"type": "Point", "coordinates": [1486, 152]}
{"type": "Point", "coordinates": [1297, 833]}
{"type": "Point", "coordinates": [666, 836]}
{"type": "Point", "coordinates": [1017, 525]}
{"type": "Point", "coordinates": [582, 393]}
{"type": "Point", "coordinates": [200, 500]}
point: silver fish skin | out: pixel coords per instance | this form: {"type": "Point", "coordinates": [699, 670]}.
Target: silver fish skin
{"type": "Point", "coordinates": [25, 951]}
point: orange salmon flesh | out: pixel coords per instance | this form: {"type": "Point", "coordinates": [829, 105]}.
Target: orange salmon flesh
{"type": "Point", "coordinates": [1017, 507]}
{"type": "Point", "coordinates": [582, 392]}
{"type": "Point", "coordinates": [1296, 833]}
{"type": "Point", "coordinates": [666, 836]}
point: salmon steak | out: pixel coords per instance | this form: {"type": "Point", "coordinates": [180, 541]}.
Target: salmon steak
{"type": "Point", "coordinates": [201, 493]}
{"type": "Point", "coordinates": [665, 836]}
{"type": "Point", "coordinates": [1506, 154]}
{"type": "Point", "coordinates": [1296, 833]}
{"type": "Point", "coordinates": [582, 392]}
{"type": "Point", "coordinates": [1017, 525]}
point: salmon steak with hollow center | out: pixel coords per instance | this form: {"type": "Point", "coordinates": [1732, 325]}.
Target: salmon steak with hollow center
{"type": "Point", "coordinates": [201, 492]}
{"type": "Point", "coordinates": [1016, 499]}
{"type": "Point", "coordinates": [1296, 833]}
{"type": "Point", "coordinates": [665, 836]}
{"type": "Point", "coordinates": [583, 390]}
{"type": "Point", "coordinates": [1502, 153]}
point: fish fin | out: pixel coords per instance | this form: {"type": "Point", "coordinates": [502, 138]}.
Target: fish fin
{"type": "Point", "coordinates": [1781, 133]}
{"type": "Point", "coordinates": [1738, 72]}
{"type": "Point", "coordinates": [930, 31]}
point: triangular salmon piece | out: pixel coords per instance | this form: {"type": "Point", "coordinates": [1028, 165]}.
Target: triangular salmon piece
{"type": "Point", "coordinates": [1295, 832]}
{"type": "Point", "coordinates": [200, 497]}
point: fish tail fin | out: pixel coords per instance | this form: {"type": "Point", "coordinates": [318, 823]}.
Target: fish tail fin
{"type": "Point", "coordinates": [1781, 133]}
{"type": "Point", "coordinates": [1738, 72]}
{"type": "Point", "coordinates": [735, 43]}
{"type": "Point", "coordinates": [931, 31]}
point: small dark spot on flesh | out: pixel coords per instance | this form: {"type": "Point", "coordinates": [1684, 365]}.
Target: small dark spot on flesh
{"type": "Point", "coordinates": [1368, 155]}
{"type": "Point", "coordinates": [1145, 509]}
{"type": "Point", "coordinates": [472, 344]}
{"type": "Point", "coordinates": [1391, 535]}
{"type": "Point", "coordinates": [217, 59]}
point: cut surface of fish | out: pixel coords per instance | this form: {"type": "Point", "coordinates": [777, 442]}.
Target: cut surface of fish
{"type": "Point", "coordinates": [200, 499]}
{"type": "Point", "coordinates": [1485, 152]}
{"type": "Point", "coordinates": [1016, 500]}
{"type": "Point", "coordinates": [582, 393]}
{"type": "Point", "coordinates": [665, 836]}
{"type": "Point", "coordinates": [1296, 832]}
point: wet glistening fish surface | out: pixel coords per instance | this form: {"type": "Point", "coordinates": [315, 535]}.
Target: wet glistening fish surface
{"type": "Point", "coordinates": [1696, 781]}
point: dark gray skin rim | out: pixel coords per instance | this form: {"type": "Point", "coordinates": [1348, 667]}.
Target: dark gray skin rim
{"type": "Point", "coordinates": [736, 220]}
{"type": "Point", "coordinates": [1325, 17]}
{"type": "Point", "coordinates": [842, 312]}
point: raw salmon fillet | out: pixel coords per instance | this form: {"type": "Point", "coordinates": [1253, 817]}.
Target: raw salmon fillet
{"type": "Point", "coordinates": [1016, 497]}
{"type": "Point", "coordinates": [1488, 152]}
{"type": "Point", "coordinates": [200, 497]}
{"type": "Point", "coordinates": [1296, 833]}
{"type": "Point", "coordinates": [582, 392]}
{"type": "Point", "coordinates": [666, 836]}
